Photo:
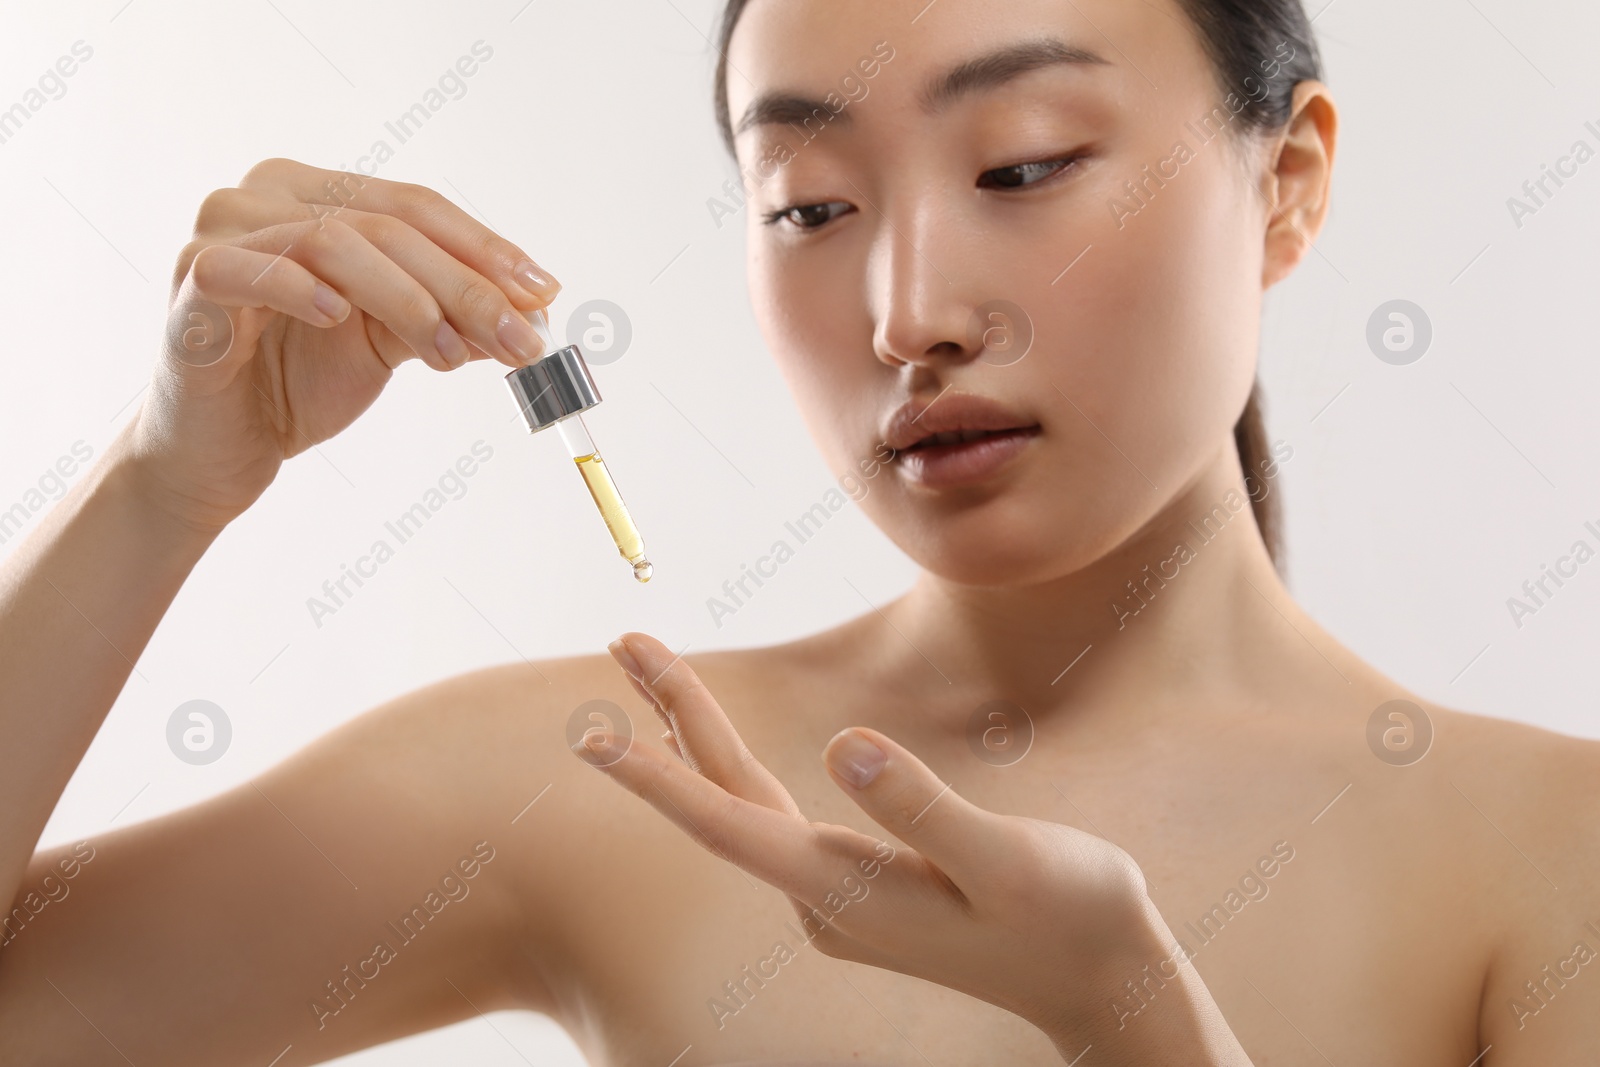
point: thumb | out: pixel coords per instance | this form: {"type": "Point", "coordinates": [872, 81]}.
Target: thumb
{"type": "Point", "coordinates": [905, 797]}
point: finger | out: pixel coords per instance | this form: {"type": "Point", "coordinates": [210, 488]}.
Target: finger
{"type": "Point", "coordinates": [395, 351]}
{"type": "Point", "coordinates": [906, 798]}
{"type": "Point", "coordinates": [231, 212]}
{"type": "Point", "coordinates": [370, 280]}
{"type": "Point", "coordinates": [474, 305]}
{"type": "Point", "coordinates": [447, 225]}
{"type": "Point", "coordinates": [709, 742]}
{"type": "Point", "coordinates": [644, 694]}
{"type": "Point", "coordinates": [780, 849]}
{"type": "Point", "coordinates": [230, 276]}
{"type": "Point", "coordinates": [671, 740]}
{"type": "Point", "coordinates": [391, 349]}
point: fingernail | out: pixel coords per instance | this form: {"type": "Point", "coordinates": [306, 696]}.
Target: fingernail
{"type": "Point", "coordinates": [330, 303]}
{"type": "Point", "coordinates": [854, 758]}
{"type": "Point", "coordinates": [450, 345]}
{"type": "Point", "coordinates": [536, 281]}
{"type": "Point", "coordinates": [598, 749]}
{"type": "Point", "coordinates": [620, 652]}
{"type": "Point", "coordinates": [541, 326]}
{"type": "Point", "coordinates": [515, 333]}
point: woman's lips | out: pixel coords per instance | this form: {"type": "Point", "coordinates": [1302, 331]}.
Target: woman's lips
{"type": "Point", "coordinates": [940, 466]}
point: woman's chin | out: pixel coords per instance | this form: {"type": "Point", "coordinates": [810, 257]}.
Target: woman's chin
{"type": "Point", "coordinates": [994, 560]}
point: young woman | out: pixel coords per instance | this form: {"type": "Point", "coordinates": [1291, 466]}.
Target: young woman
{"type": "Point", "coordinates": [1094, 790]}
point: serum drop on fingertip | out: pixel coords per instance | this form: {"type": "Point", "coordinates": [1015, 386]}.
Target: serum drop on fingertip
{"type": "Point", "coordinates": [555, 390]}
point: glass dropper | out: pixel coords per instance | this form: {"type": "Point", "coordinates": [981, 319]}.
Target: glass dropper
{"type": "Point", "coordinates": [554, 391]}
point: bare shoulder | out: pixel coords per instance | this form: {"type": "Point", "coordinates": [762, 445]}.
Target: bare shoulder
{"type": "Point", "coordinates": [1534, 788]}
{"type": "Point", "coordinates": [449, 827]}
{"type": "Point", "coordinates": [1532, 806]}
{"type": "Point", "coordinates": [492, 746]}
{"type": "Point", "coordinates": [1546, 778]}
{"type": "Point", "coordinates": [1487, 734]}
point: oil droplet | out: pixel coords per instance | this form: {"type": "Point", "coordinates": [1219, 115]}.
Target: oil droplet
{"type": "Point", "coordinates": [642, 570]}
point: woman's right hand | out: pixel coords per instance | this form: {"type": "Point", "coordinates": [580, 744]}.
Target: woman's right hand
{"type": "Point", "coordinates": [301, 292]}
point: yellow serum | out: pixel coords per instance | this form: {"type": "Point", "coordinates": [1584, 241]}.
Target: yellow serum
{"type": "Point", "coordinates": [618, 521]}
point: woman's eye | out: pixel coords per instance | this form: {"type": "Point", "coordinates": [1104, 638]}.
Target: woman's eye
{"type": "Point", "coordinates": [1021, 175]}
{"type": "Point", "coordinates": [807, 216]}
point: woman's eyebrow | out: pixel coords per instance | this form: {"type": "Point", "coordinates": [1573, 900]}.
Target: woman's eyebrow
{"type": "Point", "coordinates": [1000, 66]}
{"type": "Point", "coordinates": [986, 71]}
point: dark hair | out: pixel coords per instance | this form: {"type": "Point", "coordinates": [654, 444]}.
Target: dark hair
{"type": "Point", "coordinates": [1246, 41]}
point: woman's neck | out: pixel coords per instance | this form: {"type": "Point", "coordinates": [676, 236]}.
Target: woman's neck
{"type": "Point", "coordinates": [1187, 613]}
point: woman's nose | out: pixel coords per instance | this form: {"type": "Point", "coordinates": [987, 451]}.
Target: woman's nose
{"type": "Point", "coordinates": [922, 306]}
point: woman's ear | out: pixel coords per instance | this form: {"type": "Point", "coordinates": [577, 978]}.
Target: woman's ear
{"type": "Point", "coordinates": [1298, 180]}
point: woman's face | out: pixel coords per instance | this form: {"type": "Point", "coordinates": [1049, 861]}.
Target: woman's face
{"type": "Point", "coordinates": [931, 202]}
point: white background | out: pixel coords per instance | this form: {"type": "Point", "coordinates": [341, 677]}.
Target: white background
{"type": "Point", "coordinates": [1418, 500]}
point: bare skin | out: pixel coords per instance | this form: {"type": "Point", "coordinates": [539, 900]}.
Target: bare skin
{"type": "Point", "coordinates": [1218, 727]}
{"type": "Point", "coordinates": [618, 925]}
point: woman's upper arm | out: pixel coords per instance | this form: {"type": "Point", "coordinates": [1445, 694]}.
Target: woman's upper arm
{"type": "Point", "coordinates": [1541, 996]}
{"type": "Point", "coordinates": [369, 886]}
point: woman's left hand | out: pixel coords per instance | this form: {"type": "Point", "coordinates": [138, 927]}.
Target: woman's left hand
{"type": "Point", "coordinates": [1043, 920]}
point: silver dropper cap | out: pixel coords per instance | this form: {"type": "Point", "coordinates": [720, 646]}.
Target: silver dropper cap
{"type": "Point", "coordinates": [554, 386]}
